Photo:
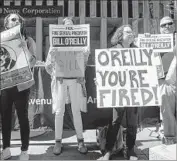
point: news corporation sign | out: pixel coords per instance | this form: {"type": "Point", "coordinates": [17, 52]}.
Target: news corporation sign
{"type": "Point", "coordinates": [33, 11]}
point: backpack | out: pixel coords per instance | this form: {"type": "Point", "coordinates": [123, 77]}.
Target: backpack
{"type": "Point", "coordinates": [101, 134]}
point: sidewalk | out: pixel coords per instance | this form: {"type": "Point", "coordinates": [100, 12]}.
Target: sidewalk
{"type": "Point", "coordinates": [41, 146]}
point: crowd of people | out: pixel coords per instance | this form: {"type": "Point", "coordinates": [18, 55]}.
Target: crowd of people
{"type": "Point", "coordinates": [62, 88]}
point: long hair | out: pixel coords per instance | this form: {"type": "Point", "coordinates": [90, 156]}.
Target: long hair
{"type": "Point", "coordinates": [118, 35]}
{"type": "Point", "coordinates": [22, 22]}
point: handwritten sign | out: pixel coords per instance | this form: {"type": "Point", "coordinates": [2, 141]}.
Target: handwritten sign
{"type": "Point", "coordinates": [126, 78]}
{"type": "Point", "coordinates": [14, 67]}
{"type": "Point", "coordinates": [70, 37]}
{"type": "Point", "coordinates": [159, 42]}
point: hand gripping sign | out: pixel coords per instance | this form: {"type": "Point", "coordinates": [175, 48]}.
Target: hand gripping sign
{"type": "Point", "coordinates": [14, 66]}
{"type": "Point", "coordinates": [126, 78]}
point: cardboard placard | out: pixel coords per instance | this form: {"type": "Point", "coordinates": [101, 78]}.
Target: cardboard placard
{"type": "Point", "coordinates": [126, 78]}
{"type": "Point", "coordinates": [14, 66]}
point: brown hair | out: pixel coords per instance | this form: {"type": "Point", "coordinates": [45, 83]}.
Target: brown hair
{"type": "Point", "coordinates": [118, 35]}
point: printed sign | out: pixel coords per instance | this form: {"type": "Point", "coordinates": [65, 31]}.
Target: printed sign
{"type": "Point", "coordinates": [14, 68]}
{"type": "Point", "coordinates": [70, 64]}
{"type": "Point", "coordinates": [71, 43]}
{"type": "Point", "coordinates": [159, 42]}
{"type": "Point", "coordinates": [70, 37]}
{"type": "Point", "coordinates": [126, 78]}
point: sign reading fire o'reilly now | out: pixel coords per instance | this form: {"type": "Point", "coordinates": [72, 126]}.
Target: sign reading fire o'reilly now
{"type": "Point", "coordinates": [33, 11]}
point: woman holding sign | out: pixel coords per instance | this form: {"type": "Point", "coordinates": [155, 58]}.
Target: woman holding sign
{"type": "Point", "coordinates": [17, 95]}
{"type": "Point", "coordinates": [122, 38]}
{"type": "Point", "coordinates": [61, 87]}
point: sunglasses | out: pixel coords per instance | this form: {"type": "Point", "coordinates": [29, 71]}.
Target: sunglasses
{"type": "Point", "coordinates": [14, 19]}
{"type": "Point", "coordinates": [169, 24]}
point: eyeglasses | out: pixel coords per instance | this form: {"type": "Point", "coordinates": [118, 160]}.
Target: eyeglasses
{"type": "Point", "coordinates": [164, 25]}
{"type": "Point", "coordinates": [14, 19]}
{"type": "Point", "coordinates": [128, 32]}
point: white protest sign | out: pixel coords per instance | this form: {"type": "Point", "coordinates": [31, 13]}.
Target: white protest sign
{"type": "Point", "coordinates": [70, 64]}
{"type": "Point", "coordinates": [69, 37]}
{"type": "Point", "coordinates": [11, 34]}
{"type": "Point", "coordinates": [126, 78]}
{"type": "Point", "coordinates": [14, 67]}
{"type": "Point", "coordinates": [159, 42]}
{"type": "Point", "coordinates": [71, 42]}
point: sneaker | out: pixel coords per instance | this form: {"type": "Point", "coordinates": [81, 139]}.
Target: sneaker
{"type": "Point", "coordinates": [6, 154]}
{"type": "Point", "coordinates": [107, 156]}
{"type": "Point", "coordinates": [24, 155]}
{"type": "Point", "coordinates": [132, 155]}
{"type": "Point", "coordinates": [57, 148]}
{"type": "Point", "coordinates": [81, 147]}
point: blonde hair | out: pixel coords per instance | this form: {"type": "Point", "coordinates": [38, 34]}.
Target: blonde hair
{"type": "Point", "coordinates": [6, 21]}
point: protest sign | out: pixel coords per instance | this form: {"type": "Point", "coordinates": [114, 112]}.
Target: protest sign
{"type": "Point", "coordinates": [71, 42]}
{"type": "Point", "coordinates": [159, 42]}
{"type": "Point", "coordinates": [69, 37]}
{"type": "Point", "coordinates": [70, 64]}
{"type": "Point", "coordinates": [126, 78]}
{"type": "Point", "coordinates": [14, 67]}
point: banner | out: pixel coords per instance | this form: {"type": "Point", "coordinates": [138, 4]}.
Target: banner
{"type": "Point", "coordinates": [159, 42]}
{"type": "Point", "coordinates": [126, 78]}
{"type": "Point", "coordinates": [33, 11]}
{"type": "Point", "coordinates": [14, 68]}
{"type": "Point", "coordinates": [70, 42]}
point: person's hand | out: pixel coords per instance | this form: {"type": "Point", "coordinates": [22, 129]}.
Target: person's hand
{"type": "Point", "coordinates": [23, 44]}
{"type": "Point", "coordinates": [147, 34]}
{"type": "Point", "coordinates": [95, 81]}
{"type": "Point", "coordinates": [60, 79]}
{"type": "Point", "coordinates": [53, 51]}
{"type": "Point", "coordinates": [81, 80]}
{"type": "Point", "coordinates": [32, 61]}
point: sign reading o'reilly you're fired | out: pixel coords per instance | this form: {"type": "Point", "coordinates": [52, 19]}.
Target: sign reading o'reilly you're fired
{"type": "Point", "coordinates": [33, 11]}
{"type": "Point", "coordinates": [126, 78]}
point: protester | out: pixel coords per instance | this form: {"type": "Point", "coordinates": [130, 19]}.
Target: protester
{"type": "Point", "coordinates": [17, 95]}
{"type": "Point", "coordinates": [61, 87]}
{"type": "Point", "coordinates": [168, 89]}
{"type": "Point", "coordinates": [122, 38]}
